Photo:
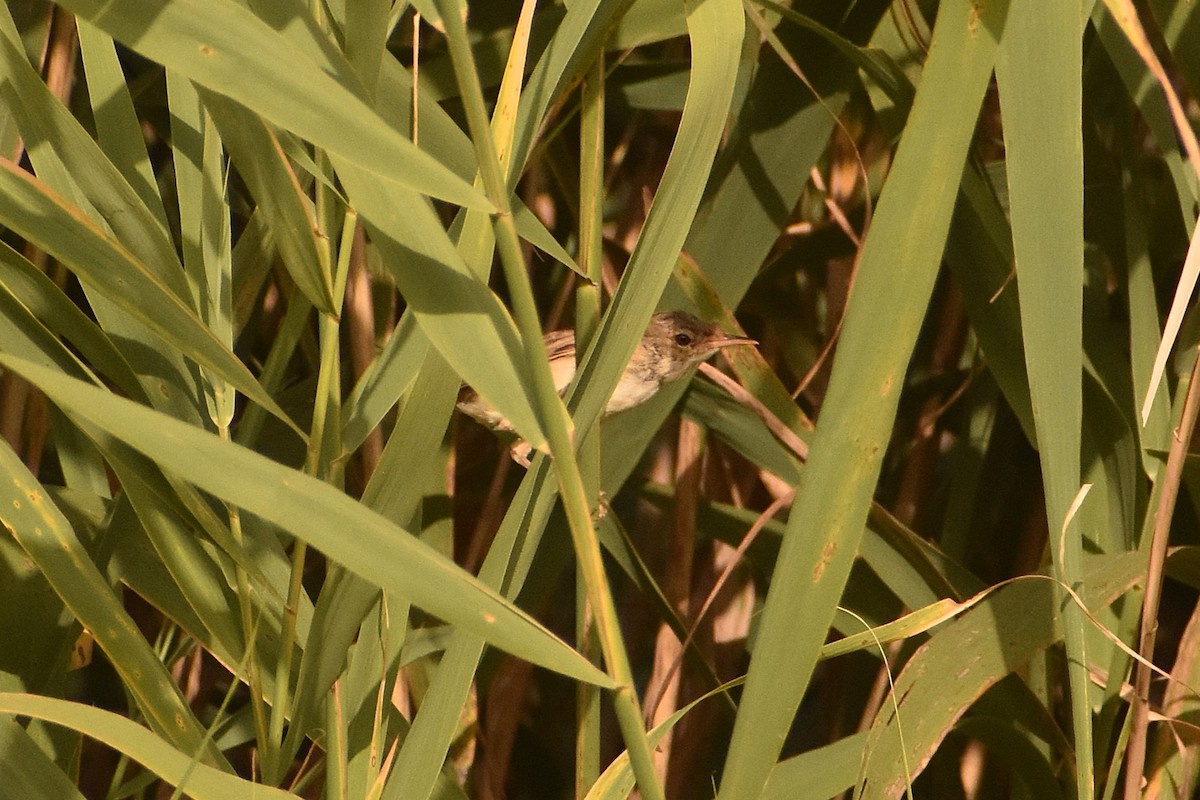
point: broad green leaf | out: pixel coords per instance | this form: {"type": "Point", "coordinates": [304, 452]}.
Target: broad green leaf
{"type": "Point", "coordinates": [979, 253]}
{"type": "Point", "coordinates": [53, 308]}
{"type": "Point", "coordinates": [316, 512]}
{"type": "Point", "coordinates": [716, 38]}
{"type": "Point", "coordinates": [820, 773]}
{"type": "Point", "coordinates": [79, 164]}
{"type": "Point", "coordinates": [651, 87]}
{"type": "Point", "coordinates": [117, 128]}
{"type": "Point", "coordinates": [1143, 313]}
{"type": "Point", "coordinates": [647, 22]}
{"type": "Point", "coordinates": [137, 564]}
{"type": "Point", "coordinates": [217, 43]}
{"type": "Point", "coordinates": [252, 256]}
{"type": "Point", "coordinates": [440, 135]}
{"type": "Point", "coordinates": [875, 63]}
{"type": "Point", "coordinates": [533, 231]}
{"type": "Point", "coordinates": [741, 217]}
{"type": "Point", "coordinates": [31, 613]}
{"type": "Point", "coordinates": [260, 160]}
{"type": "Point", "coordinates": [419, 761]}
{"type": "Point", "coordinates": [26, 770]}
{"type": "Point", "coordinates": [741, 428]}
{"type": "Point", "coordinates": [459, 315]}
{"type": "Point", "coordinates": [1000, 635]}
{"type": "Point", "coordinates": [25, 336]}
{"type": "Point", "coordinates": [151, 751]}
{"type": "Point", "coordinates": [33, 211]}
{"type": "Point", "coordinates": [345, 600]}
{"type": "Point", "coordinates": [394, 491]}
{"type": "Point", "coordinates": [715, 30]}
{"type": "Point", "coordinates": [194, 572]}
{"type": "Point", "coordinates": [899, 263]}
{"type": "Point", "coordinates": [387, 378]}
{"type": "Point", "coordinates": [47, 536]}
{"type": "Point", "coordinates": [1039, 76]}
{"type": "Point", "coordinates": [366, 30]}
{"type": "Point", "coordinates": [204, 223]}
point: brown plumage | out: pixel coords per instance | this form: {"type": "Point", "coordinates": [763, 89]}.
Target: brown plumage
{"type": "Point", "coordinates": [674, 342]}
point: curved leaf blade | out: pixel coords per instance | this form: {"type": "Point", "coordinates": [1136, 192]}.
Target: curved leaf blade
{"type": "Point", "coordinates": [899, 263]}
{"type": "Point", "coordinates": [45, 534]}
{"type": "Point", "coordinates": [35, 212]}
{"type": "Point", "coordinates": [343, 529]}
{"type": "Point", "coordinates": [217, 43]}
{"type": "Point", "coordinates": [142, 745]}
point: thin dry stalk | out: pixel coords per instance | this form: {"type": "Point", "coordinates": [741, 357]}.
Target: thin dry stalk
{"type": "Point", "coordinates": [14, 395]}
{"type": "Point", "coordinates": [506, 697]}
{"type": "Point", "coordinates": [919, 477]}
{"type": "Point", "coordinates": [677, 582]}
{"type": "Point", "coordinates": [777, 426]}
{"type": "Point", "coordinates": [730, 563]}
{"type": "Point", "coordinates": [879, 689]}
{"type": "Point", "coordinates": [1171, 477]}
{"type": "Point", "coordinates": [359, 320]}
{"type": "Point", "coordinates": [24, 419]}
{"type": "Point", "coordinates": [488, 521]}
{"type": "Point", "coordinates": [1177, 701]}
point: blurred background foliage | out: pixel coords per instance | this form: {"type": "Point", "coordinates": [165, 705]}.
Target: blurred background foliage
{"type": "Point", "coordinates": [914, 542]}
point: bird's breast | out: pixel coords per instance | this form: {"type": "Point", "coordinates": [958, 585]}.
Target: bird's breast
{"type": "Point", "coordinates": [633, 390]}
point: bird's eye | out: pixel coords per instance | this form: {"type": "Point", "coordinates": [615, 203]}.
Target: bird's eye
{"type": "Point", "coordinates": [683, 340]}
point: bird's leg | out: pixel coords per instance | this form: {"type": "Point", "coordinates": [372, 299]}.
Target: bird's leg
{"type": "Point", "coordinates": [520, 451]}
{"type": "Point", "coordinates": [602, 507]}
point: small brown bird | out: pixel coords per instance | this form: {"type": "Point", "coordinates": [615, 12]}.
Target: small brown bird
{"type": "Point", "coordinates": [674, 342]}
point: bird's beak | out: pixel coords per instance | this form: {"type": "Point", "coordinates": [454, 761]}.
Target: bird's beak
{"type": "Point", "coordinates": [730, 341]}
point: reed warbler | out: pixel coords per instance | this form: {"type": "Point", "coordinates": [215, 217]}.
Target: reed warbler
{"type": "Point", "coordinates": [674, 342]}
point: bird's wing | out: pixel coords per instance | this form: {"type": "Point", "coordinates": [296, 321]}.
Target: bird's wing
{"type": "Point", "coordinates": [560, 347]}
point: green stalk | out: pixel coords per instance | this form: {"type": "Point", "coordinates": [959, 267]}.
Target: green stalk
{"type": "Point", "coordinates": [324, 439]}
{"type": "Point", "coordinates": [587, 320]}
{"type": "Point", "coordinates": [336, 746]}
{"type": "Point", "coordinates": [551, 413]}
{"type": "Point", "coordinates": [249, 658]}
{"type": "Point", "coordinates": [324, 442]}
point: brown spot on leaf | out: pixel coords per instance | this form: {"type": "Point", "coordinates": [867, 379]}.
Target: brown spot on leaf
{"type": "Point", "coordinates": [826, 557]}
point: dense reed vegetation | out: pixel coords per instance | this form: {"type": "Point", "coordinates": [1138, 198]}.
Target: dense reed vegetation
{"type": "Point", "coordinates": [936, 534]}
